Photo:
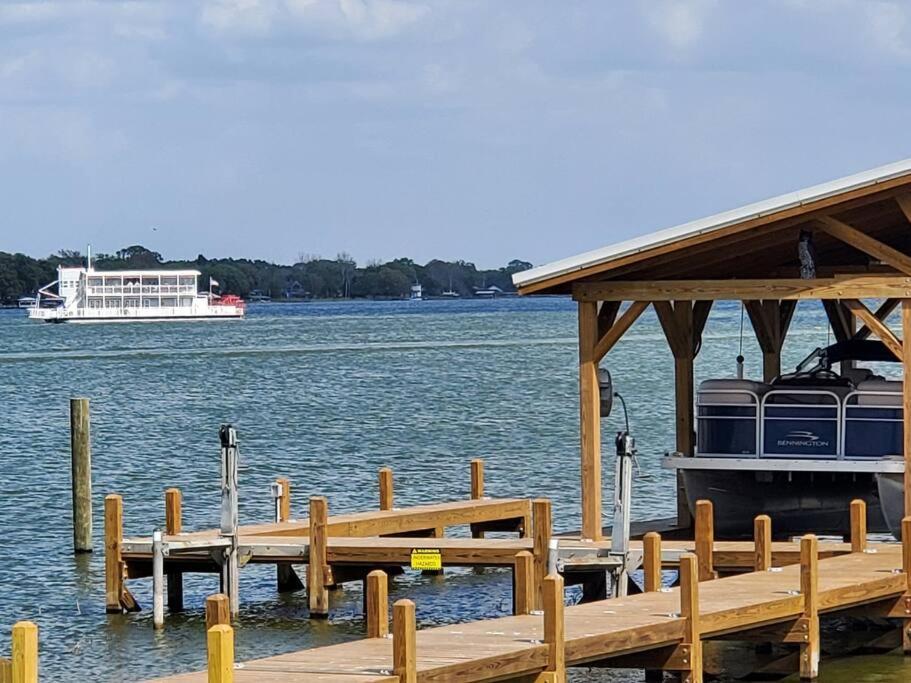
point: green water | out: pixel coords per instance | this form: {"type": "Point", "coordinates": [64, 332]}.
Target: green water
{"type": "Point", "coordinates": [324, 394]}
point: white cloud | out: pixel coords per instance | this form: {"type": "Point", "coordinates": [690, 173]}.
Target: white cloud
{"type": "Point", "coordinates": [679, 22]}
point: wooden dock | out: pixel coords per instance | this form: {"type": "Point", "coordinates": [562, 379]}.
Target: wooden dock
{"type": "Point", "coordinates": [660, 629]}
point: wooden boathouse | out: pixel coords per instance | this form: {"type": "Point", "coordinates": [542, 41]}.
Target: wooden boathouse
{"type": "Point", "coordinates": [860, 230]}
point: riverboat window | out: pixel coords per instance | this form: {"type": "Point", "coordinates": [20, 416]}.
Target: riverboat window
{"type": "Point", "coordinates": [186, 301]}
{"type": "Point", "coordinates": [112, 303]}
{"type": "Point", "coordinates": [130, 280]}
{"type": "Point", "coordinates": [96, 302]}
{"type": "Point", "coordinates": [112, 281]}
{"type": "Point", "coordinates": [150, 280]}
{"type": "Point", "coordinates": [131, 302]}
{"type": "Point", "coordinates": [169, 281]}
{"type": "Point", "coordinates": [96, 282]}
{"type": "Point", "coordinates": [150, 303]}
{"type": "Point", "coordinates": [188, 280]}
{"type": "Point", "coordinates": [169, 301]}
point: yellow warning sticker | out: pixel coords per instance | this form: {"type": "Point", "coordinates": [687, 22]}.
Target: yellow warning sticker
{"type": "Point", "coordinates": [426, 559]}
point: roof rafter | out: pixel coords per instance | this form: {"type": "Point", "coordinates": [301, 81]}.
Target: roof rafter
{"type": "Point", "coordinates": [865, 243]}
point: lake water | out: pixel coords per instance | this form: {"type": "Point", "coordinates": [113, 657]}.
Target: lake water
{"type": "Point", "coordinates": [325, 394]}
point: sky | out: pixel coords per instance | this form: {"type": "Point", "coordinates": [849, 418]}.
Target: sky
{"type": "Point", "coordinates": [454, 129]}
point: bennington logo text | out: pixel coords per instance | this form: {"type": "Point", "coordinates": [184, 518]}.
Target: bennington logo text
{"type": "Point", "coordinates": [803, 438]}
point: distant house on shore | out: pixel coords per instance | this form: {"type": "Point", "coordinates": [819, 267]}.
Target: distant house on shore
{"type": "Point", "coordinates": [295, 290]}
{"type": "Point", "coordinates": [488, 292]}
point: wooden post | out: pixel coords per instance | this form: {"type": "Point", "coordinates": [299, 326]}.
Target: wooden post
{"type": "Point", "coordinates": [81, 462]}
{"type": "Point", "coordinates": [590, 420]}
{"type": "Point", "coordinates": [220, 645]}
{"type": "Point", "coordinates": [689, 610]}
{"type": "Point", "coordinates": [317, 592]}
{"type": "Point", "coordinates": [541, 544]}
{"type": "Point", "coordinates": [906, 567]}
{"type": "Point", "coordinates": [523, 583]}
{"type": "Point", "coordinates": [858, 526]}
{"type": "Point", "coordinates": [651, 561]}
{"type": "Point", "coordinates": [906, 398]}
{"type": "Point", "coordinates": [386, 491]}
{"type": "Point", "coordinates": [404, 637]}
{"type": "Point", "coordinates": [113, 564]}
{"type": "Point", "coordinates": [6, 670]}
{"type": "Point", "coordinates": [377, 607]}
{"type": "Point", "coordinates": [218, 611]}
{"type": "Point", "coordinates": [25, 652]}
{"type": "Point", "coordinates": [809, 588]}
{"type": "Point", "coordinates": [284, 500]}
{"type": "Point", "coordinates": [173, 521]}
{"type": "Point", "coordinates": [705, 539]}
{"type": "Point", "coordinates": [286, 578]}
{"type": "Point", "coordinates": [762, 539]}
{"type": "Point", "coordinates": [477, 479]}
{"type": "Point", "coordinates": [554, 631]}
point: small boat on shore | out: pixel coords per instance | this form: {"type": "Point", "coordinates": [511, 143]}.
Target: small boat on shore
{"type": "Point", "coordinates": [85, 295]}
{"type": "Point", "coordinates": [26, 302]}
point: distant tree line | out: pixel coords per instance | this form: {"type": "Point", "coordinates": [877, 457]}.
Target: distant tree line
{"type": "Point", "coordinates": [311, 277]}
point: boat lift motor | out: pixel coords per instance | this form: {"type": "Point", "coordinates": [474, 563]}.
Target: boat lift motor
{"type": "Point", "coordinates": [229, 520]}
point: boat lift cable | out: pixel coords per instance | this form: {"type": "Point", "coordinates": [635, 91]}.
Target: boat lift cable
{"type": "Point", "coordinates": [740, 350]}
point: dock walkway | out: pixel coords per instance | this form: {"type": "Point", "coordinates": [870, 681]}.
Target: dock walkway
{"type": "Point", "coordinates": [652, 625]}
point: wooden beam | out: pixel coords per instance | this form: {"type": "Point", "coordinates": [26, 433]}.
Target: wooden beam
{"type": "Point", "coordinates": [689, 610]}
{"type": "Point", "coordinates": [609, 338]}
{"type": "Point", "coordinates": [590, 420]}
{"type": "Point", "coordinates": [809, 588]}
{"type": "Point", "coordinates": [701, 310]}
{"type": "Point", "coordinates": [884, 311]}
{"type": "Point", "coordinates": [705, 539]}
{"type": "Point", "coordinates": [766, 318]}
{"type": "Point", "coordinates": [875, 325]}
{"type": "Point", "coordinates": [607, 315]}
{"type": "Point", "coordinates": [317, 571]}
{"type": "Point", "coordinates": [651, 561]}
{"type": "Point", "coordinates": [847, 287]}
{"type": "Point", "coordinates": [867, 244]}
{"type": "Point", "coordinates": [523, 583]}
{"type": "Point", "coordinates": [762, 540]}
{"type": "Point", "coordinates": [904, 203]}
{"type": "Point", "coordinates": [838, 320]}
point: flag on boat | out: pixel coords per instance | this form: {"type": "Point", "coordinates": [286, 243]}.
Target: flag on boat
{"type": "Point", "coordinates": [213, 282]}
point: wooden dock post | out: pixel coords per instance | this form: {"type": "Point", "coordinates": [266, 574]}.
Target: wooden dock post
{"type": "Point", "coordinates": [858, 525]}
{"type": "Point", "coordinates": [6, 670]}
{"type": "Point", "coordinates": [691, 645]}
{"type": "Point", "coordinates": [523, 583]}
{"type": "Point", "coordinates": [386, 490]}
{"type": "Point", "coordinates": [541, 544]}
{"type": "Point", "coordinates": [906, 567]}
{"type": "Point", "coordinates": [404, 646]}
{"type": "Point", "coordinates": [477, 479]}
{"type": "Point", "coordinates": [554, 632]}
{"type": "Point", "coordinates": [286, 578]}
{"type": "Point", "coordinates": [651, 561]}
{"type": "Point", "coordinates": [317, 592]}
{"type": "Point", "coordinates": [25, 653]}
{"type": "Point", "coordinates": [762, 539]}
{"type": "Point", "coordinates": [220, 653]}
{"type": "Point", "coordinates": [377, 604]}
{"type": "Point", "coordinates": [218, 610]}
{"type": "Point", "coordinates": [81, 465]}
{"type": "Point", "coordinates": [173, 522]}
{"type": "Point", "coordinates": [705, 539]}
{"type": "Point", "coordinates": [809, 622]}
{"type": "Point", "coordinates": [117, 597]}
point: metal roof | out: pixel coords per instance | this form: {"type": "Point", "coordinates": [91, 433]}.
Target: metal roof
{"type": "Point", "coordinates": [706, 225]}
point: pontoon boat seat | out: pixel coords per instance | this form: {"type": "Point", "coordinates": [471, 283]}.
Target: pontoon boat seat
{"type": "Point", "coordinates": [873, 420]}
{"type": "Point", "coordinates": [728, 417]}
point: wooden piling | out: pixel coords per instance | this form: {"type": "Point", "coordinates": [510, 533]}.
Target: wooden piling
{"type": "Point", "coordinates": [284, 500]}
{"type": "Point", "coordinates": [25, 653]}
{"type": "Point", "coordinates": [705, 539]}
{"type": "Point", "coordinates": [541, 544]}
{"type": "Point", "coordinates": [317, 592]}
{"type": "Point", "coordinates": [117, 597]}
{"type": "Point", "coordinates": [809, 622]}
{"type": "Point", "coordinates": [906, 567]}
{"type": "Point", "coordinates": [689, 610]}
{"type": "Point", "coordinates": [218, 611]}
{"type": "Point", "coordinates": [220, 655]}
{"type": "Point", "coordinates": [286, 578]}
{"type": "Point", "coordinates": [81, 469]}
{"type": "Point", "coordinates": [554, 632]}
{"type": "Point", "coordinates": [386, 490]}
{"type": "Point", "coordinates": [651, 561]}
{"type": "Point", "coordinates": [523, 583]}
{"type": "Point", "coordinates": [377, 604]}
{"type": "Point", "coordinates": [173, 521]}
{"type": "Point", "coordinates": [762, 540]}
{"type": "Point", "coordinates": [404, 637]}
{"type": "Point", "coordinates": [6, 670]}
{"type": "Point", "coordinates": [477, 479]}
{"type": "Point", "coordinates": [858, 525]}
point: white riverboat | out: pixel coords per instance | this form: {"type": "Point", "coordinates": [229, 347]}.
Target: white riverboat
{"type": "Point", "coordinates": [86, 295]}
